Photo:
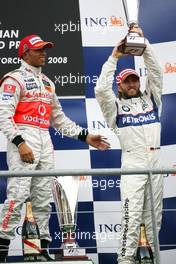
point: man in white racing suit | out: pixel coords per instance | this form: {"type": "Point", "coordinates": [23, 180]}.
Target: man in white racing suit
{"type": "Point", "coordinates": [135, 118]}
{"type": "Point", "coordinates": [28, 107]}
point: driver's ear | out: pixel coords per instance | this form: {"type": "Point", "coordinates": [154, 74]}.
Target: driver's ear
{"type": "Point", "coordinates": [120, 88]}
{"type": "Point", "coordinates": [25, 55]}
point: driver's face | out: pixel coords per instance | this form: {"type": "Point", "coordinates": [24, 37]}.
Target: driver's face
{"type": "Point", "coordinates": [130, 87]}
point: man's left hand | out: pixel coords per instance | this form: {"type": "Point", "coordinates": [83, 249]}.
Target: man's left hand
{"type": "Point", "coordinates": [98, 141]}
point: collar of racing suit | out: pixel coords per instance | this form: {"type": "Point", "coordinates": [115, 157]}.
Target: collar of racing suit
{"type": "Point", "coordinates": [35, 70]}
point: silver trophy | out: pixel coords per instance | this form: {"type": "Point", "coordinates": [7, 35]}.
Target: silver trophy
{"type": "Point", "coordinates": [65, 194]}
{"type": "Point", "coordinates": [134, 43]}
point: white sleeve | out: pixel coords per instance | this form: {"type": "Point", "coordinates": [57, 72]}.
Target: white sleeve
{"type": "Point", "coordinates": [9, 98]}
{"type": "Point", "coordinates": [154, 82]}
{"type": "Point", "coordinates": [104, 93]}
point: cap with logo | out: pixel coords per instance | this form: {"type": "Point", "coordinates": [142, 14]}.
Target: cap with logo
{"type": "Point", "coordinates": [32, 42]}
{"type": "Point", "coordinates": [124, 74]}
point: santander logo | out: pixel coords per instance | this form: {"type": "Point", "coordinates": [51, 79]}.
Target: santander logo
{"type": "Point", "coordinates": [170, 68]}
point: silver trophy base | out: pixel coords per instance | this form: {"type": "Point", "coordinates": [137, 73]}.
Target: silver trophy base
{"type": "Point", "coordinates": [69, 251]}
{"type": "Point", "coordinates": [134, 45]}
{"type": "Point", "coordinates": [76, 254]}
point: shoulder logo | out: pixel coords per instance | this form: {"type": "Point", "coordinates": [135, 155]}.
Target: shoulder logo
{"type": "Point", "coordinates": [9, 88]}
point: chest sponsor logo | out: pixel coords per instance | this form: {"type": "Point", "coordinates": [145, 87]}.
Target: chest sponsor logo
{"type": "Point", "coordinates": [144, 105]}
{"type": "Point", "coordinates": [47, 85]}
{"type": "Point", "coordinates": [23, 73]}
{"type": "Point", "coordinates": [29, 80]}
{"type": "Point", "coordinates": [140, 119]}
{"type": "Point", "coordinates": [126, 108]}
{"type": "Point", "coordinates": [28, 70]}
{"type": "Point", "coordinates": [49, 89]}
{"type": "Point", "coordinates": [45, 82]}
{"type": "Point", "coordinates": [32, 85]}
{"type": "Point", "coordinates": [137, 120]}
{"type": "Point", "coordinates": [38, 95]}
{"type": "Point", "coordinates": [36, 120]}
{"type": "Point", "coordinates": [42, 110]}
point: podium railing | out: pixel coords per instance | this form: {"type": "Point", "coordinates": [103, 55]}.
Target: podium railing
{"type": "Point", "coordinates": [90, 172]}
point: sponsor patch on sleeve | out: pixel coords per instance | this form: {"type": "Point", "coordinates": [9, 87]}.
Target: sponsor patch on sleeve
{"type": "Point", "coordinates": [9, 88]}
{"type": "Point", "coordinates": [7, 96]}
